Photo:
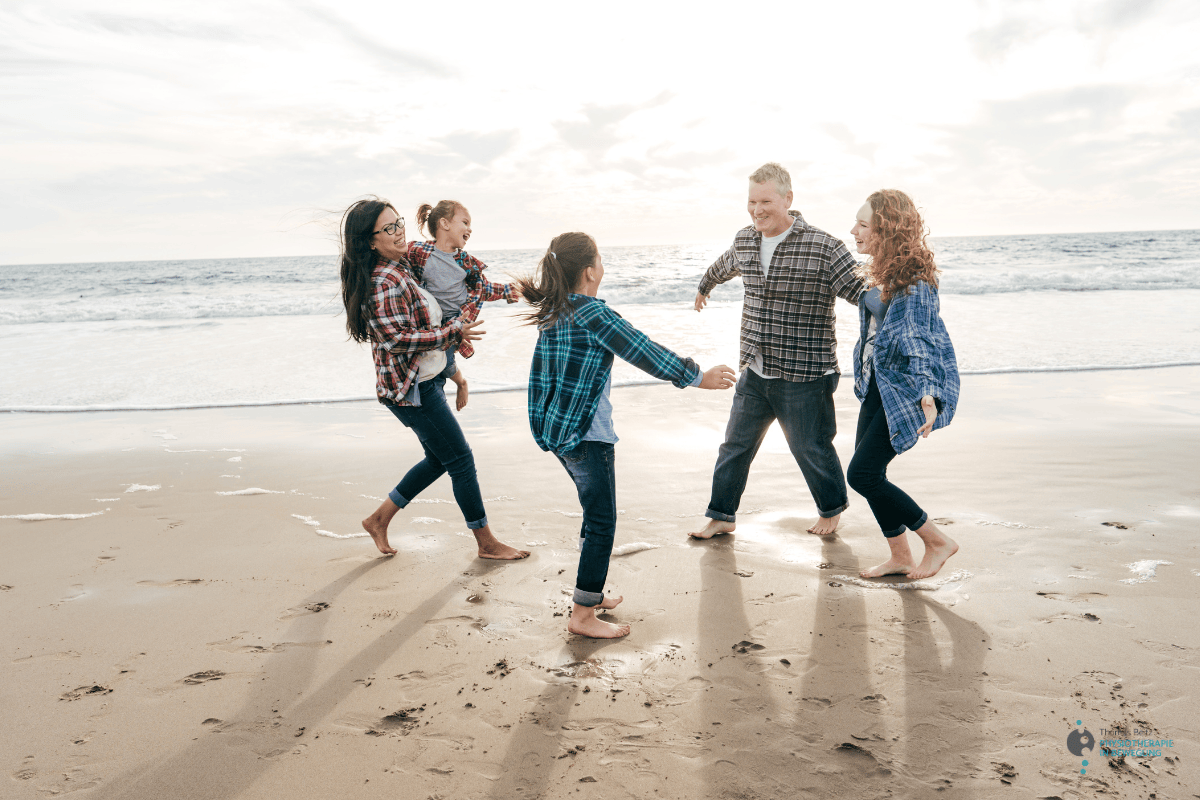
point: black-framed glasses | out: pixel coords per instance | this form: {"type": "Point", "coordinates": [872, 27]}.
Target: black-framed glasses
{"type": "Point", "coordinates": [391, 229]}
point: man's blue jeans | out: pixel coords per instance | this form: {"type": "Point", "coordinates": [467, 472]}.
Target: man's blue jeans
{"type": "Point", "coordinates": [446, 450]}
{"type": "Point", "coordinates": [805, 413]}
{"type": "Point", "coordinates": [592, 466]}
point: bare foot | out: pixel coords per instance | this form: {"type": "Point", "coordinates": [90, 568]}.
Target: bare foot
{"type": "Point", "coordinates": [610, 603]}
{"type": "Point", "coordinates": [713, 528]}
{"type": "Point", "coordinates": [491, 547]}
{"type": "Point", "coordinates": [378, 530]}
{"type": "Point", "coordinates": [825, 525]}
{"type": "Point", "coordinates": [938, 549]}
{"type": "Point", "coordinates": [890, 567]}
{"type": "Point", "coordinates": [583, 622]}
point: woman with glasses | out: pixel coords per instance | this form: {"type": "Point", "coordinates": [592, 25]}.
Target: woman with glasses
{"type": "Point", "coordinates": [386, 306]}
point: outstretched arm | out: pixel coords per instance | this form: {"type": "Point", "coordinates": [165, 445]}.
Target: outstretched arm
{"type": "Point", "coordinates": [723, 269]}
{"type": "Point", "coordinates": [629, 344]}
{"type": "Point", "coordinates": [844, 275]}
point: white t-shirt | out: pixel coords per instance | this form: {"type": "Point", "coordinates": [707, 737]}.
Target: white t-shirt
{"type": "Point", "coordinates": [431, 362]}
{"type": "Point", "coordinates": [766, 251]}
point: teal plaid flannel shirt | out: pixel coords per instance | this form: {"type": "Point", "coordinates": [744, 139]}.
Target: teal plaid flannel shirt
{"type": "Point", "coordinates": [572, 362]}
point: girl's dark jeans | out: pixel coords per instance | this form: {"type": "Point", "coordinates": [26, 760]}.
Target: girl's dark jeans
{"type": "Point", "coordinates": [592, 466]}
{"type": "Point", "coordinates": [446, 450]}
{"type": "Point", "coordinates": [867, 474]}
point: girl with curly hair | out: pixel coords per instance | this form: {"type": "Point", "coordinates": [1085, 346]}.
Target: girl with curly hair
{"type": "Point", "coordinates": [905, 374]}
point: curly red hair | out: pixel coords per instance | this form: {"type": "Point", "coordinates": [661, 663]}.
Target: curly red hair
{"type": "Point", "coordinates": [899, 255]}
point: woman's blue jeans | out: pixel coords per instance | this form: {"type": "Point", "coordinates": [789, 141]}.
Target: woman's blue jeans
{"type": "Point", "coordinates": [446, 450]}
{"type": "Point", "coordinates": [805, 412]}
{"type": "Point", "coordinates": [592, 466]}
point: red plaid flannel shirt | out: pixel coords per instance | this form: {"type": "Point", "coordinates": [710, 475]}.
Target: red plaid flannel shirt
{"type": "Point", "coordinates": [400, 329]}
{"type": "Point", "coordinates": [479, 289]}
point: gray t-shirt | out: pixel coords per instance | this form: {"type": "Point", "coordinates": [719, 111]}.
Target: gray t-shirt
{"type": "Point", "coordinates": [877, 309]}
{"type": "Point", "coordinates": [445, 280]}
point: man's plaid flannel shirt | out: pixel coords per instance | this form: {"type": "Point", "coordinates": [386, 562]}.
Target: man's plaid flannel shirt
{"type": "Point", "coordinates": [479, 289]}
{"type": "Point", "coordinates": [400, 329]}
{"type": "Point", "coordinates": [573, 359]}
{"type": "Point", "coordinates": [788, 315]}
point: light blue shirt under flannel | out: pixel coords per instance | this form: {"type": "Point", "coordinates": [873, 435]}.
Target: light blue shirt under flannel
{"type": "Point", "coordinates": [912, 357]}
{"type": "Point", "coordinates": [572, 366]}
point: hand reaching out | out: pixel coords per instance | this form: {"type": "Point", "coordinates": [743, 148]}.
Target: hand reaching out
{"type": "Point", "coordinates": [469, 332]}
{"type": "Point", "coordinates": [718, 377]}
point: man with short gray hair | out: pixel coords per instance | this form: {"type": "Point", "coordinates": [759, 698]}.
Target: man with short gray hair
{"type": "Point", "coordinates": [792, 274]}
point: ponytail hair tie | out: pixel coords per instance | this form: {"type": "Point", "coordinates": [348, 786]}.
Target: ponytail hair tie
{"type": "Point", "coordinates": [554, 254]}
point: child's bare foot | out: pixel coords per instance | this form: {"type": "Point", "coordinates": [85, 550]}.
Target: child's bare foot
{"type": "Point", "coordinates": [377, 525]}
{"type": "Point", "coordinates": [491, 547]}
{"type": "Point", "coordinates": [825, 525]}
{"type": "Point", "coordinates": [379, 534]}
{"type": "Point", "coordinates": [460, 397]}
{"type": "Point", "coordinates": [890, 567]}
{"type": "Point", "coordinates": [584, 623]}
{"type": "Point", "coordinates": [938, 549]}
{"type": "Point", "coordinates": [713, 528]}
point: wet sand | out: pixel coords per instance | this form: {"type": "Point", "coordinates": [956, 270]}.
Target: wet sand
{"type": "Point", "coordinates": [186, 636]}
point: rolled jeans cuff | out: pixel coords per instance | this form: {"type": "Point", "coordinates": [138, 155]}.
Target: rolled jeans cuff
{"type": "Point", "coordinates": [892, 534]}
{"type": "Point", "coordinates": [719, 516]}
{"type": "Point", "coordinates": [400, 500]}
{"type": "Point", "coordinates": [834, 512]}
{"type": "Point", "coordinates": [589, 599]}
{"type": "Point", "coordinates": [477, 524]}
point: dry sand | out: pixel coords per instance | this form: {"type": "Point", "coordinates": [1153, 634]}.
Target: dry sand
{"type": "Point", "coordinates": [185, 642]}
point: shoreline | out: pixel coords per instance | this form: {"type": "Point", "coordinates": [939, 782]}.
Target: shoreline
{"type": "Point", "coordinates": [618, 384]}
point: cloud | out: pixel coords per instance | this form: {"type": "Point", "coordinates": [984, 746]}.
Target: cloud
{"type": "Point", "coordinates": [142, 26]}
{"type": "Point", "coordinates": [840, 133]}
{"type": "Point", "coordinates": [481, 148]}
{"type": "Point", "coordinates": [1062, 136]}
{"type": "Point", "coordinates": [1113, 16]}
{"type": "Point", "coordinates": [597, 134]}
{"type": "Point", "coordinates": [993, 43]}
{"type": "Point", "coordinates": [389, 57]}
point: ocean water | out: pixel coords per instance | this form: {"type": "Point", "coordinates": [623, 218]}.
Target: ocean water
{"type": "Point", "coordinates": [171, 334]}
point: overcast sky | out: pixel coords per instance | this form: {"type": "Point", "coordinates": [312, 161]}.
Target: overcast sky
{"type": "Point", "coordinates": [147, 130]}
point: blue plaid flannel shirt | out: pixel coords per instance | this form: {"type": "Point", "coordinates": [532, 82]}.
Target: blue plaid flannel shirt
{"type": "Point", "coordinates": [912, 358]}
{"type": "Point", "coordinates": [572, 361]}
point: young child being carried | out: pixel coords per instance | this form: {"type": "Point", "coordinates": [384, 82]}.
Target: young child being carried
{"type": "Point", "coordinates": [569, 407]}
{"type": "Point", "coordinates": [453, 276]}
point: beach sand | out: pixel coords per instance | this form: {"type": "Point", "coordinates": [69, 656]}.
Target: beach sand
{"type": "Point", "coordinates": [185, 642]}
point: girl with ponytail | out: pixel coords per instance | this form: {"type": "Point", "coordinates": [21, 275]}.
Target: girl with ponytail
{"type": "Point", "coordinates": [453, 276]}
{"type": "Point", "coordinates": [569, 407]}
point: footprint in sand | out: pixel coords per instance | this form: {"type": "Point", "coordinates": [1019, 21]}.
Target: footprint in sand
{"type": "Point", "coordinates": [304, 610]}
{"type": "Point", "coordinates": [231, 646]}
{"type": "Point", "coordinates": [84, 691]}
{"type": "Point", "coordinates": [206, 676]}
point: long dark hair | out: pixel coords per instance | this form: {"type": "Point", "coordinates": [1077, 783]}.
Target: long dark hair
{"type": "Point", "coordinates": [428, 216]}
{"type": "Point", "coordinates": [568, 255]}
{"type": "Point", "coordinates": [358, 262]}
